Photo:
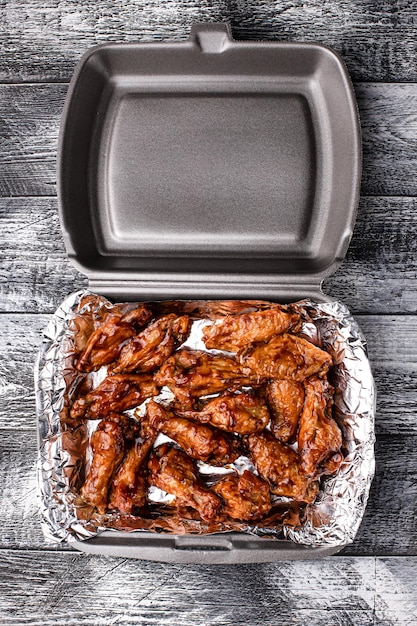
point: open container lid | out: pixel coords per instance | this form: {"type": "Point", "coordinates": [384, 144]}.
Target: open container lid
{"type": "Point", "coordinates": [209, 168]}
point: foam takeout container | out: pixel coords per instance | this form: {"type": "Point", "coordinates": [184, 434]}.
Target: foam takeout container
{"type": "Point", "coordinates": [209, 168]}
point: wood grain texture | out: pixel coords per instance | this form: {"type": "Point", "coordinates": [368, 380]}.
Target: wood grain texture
{"type": "Point", "coordinates": [20, 339]}
{"type": "Point", "coordinates": [42, 584]}
{"type": "Point", "coordinates": [389, 144]}
{"type": "Point", "coordinates": [43, 41]}
{"type": "Point", "coordinates": [377, 276]}
{"type": "Point", "coordinates": [29, 125]}
{"type": "Point", "coordinates": [19, 508]}
{"type": "Point", "coordinates": [30, 117]}
{"type": "Point", "coordinates": [389, 526]}
{"type": "Point", "coordinates": [391, 341]}
{"type": "Point", "coordinates": [392, 349]}
{"type": "Point", "coordinates": [380, 270]}
{"type": "Point", "coordinates": [35, 273]}
{"type": "Point", "coordinates": [397, 604]}
{"type": "Point", "coordinates": [50, 588]}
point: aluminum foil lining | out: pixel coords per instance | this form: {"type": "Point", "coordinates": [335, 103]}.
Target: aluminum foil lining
{"type": "Point", "coordinates": [332, 520]}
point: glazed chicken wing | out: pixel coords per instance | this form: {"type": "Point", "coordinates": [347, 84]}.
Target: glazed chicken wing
{"type": "Point", "coordinates": [319, 436]}
{"type": "Point", "coordinates": [279, 464]}
{"type": "Point", "coordinates": [129, 485]}
{"type": "Point", "coordinates": [242, 413]}
{"type": "Point", "coordinates": [108, 445]}
{"type": "Point", "coordinates": [247, 497]}
{"type": "Point", "coordinates": [174, 472]}
{"type": "Point", "coordinates": [115, 393]}
{"type": "Point", "coordinates": [236, 331]}
{"type": "Point", "coordinates": [151, 347]}
{"type": "Point", "coordinates": [192, 374]}
{"type": "Point", "coordinates": [285, 400]}
{"type": "Point", "coordinates": [284, 357]}
{"type": "Point", "coordinates": [106, 341]}
{"type": "Point", "coordinates": [131, 427]}
{"type": "Point", "coordinates": [200, 442]}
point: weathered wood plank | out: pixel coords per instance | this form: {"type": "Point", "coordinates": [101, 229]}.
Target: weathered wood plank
{"type": "Point", "coordinates": [389, 134]}
{"type": "Point", "coordinates": [380, 270]}
{"type": "Point", "coordinates": [391, 341]}
{"type": "Point", "coordinates": [20, 338]}
{"type": "Point", "coordinates": [29, 122]}
{"type": "Point", "coordinates": [389, 526]}
{"type": "Point", "coordinates": [392, 349]}
{"type": "Point", "coordinates": [43, 42]}
{"type": "Point", "coordinates": [29, 125]}
{"type": "Point", "coordinates": [396, 591]}
{"type": "Point", "coordinates": [35, 273]}
{"type": "Point", "coordinates": [49, 588]}
{"type": "Point", "coordinates": [18, 491]}
{"type": "Point", "coordinates": [43, 584]}
{"type": "Point", "coordinates": [378, 275]}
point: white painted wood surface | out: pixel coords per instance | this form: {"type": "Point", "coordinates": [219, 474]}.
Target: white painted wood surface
{"type": "Point", "coordinates": [374, 580]}
{"type": "Point", "coordinates": [73, 588]}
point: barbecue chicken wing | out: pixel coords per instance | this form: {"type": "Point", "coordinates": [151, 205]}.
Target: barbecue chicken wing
{"type": "Point", "coordinates": [130, 483]}
{"type": "Point", "coordinates": [174, 472]}
{"type": "Point", "coordinates": [247, 497]}
{"type": "Point", "coordinates": [192, 373]}
{"type": "Point", "coordinates": [108, 445]}
{"type": "Point", "coordinates": [200, 442]}
{"type": "Point", "coordinates": [131, 427]}
{"type": "Point", "coordinates": [285, 399]}
{"type": "Point", "coordinates": [319, 436]}
{"type": "Point", "coordinates": [147, 351]}
{"type": "Point", "coordinates": [242, 413]}
{"type": "Point", "coordinates": [236, 331]}
{"type": "Point", "coordinates": [106, 341]}
{"type": "Point", "coordinates": [115, 393]}
{"type": "Point", "coordinates": [284, 357]}
{"type": "Point", "coordinates": [280, 465]}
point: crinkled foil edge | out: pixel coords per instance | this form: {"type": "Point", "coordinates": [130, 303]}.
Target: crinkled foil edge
{"type": "Point", "coordinates": [332, 520]}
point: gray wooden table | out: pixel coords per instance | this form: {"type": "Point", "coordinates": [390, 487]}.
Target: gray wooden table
{"type": "Point", "coordinates": [374, 580]}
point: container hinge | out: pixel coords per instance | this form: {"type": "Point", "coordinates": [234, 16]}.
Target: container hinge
{"type": "Point", "coordinates": [205, 289]}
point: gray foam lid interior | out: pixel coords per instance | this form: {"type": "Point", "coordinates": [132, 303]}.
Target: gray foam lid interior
{"type": "Point", "coordinates": [209, 168]}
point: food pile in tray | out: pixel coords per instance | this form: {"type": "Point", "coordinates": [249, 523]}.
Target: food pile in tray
{"type": "Point", "coordinates": [198, 416]}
